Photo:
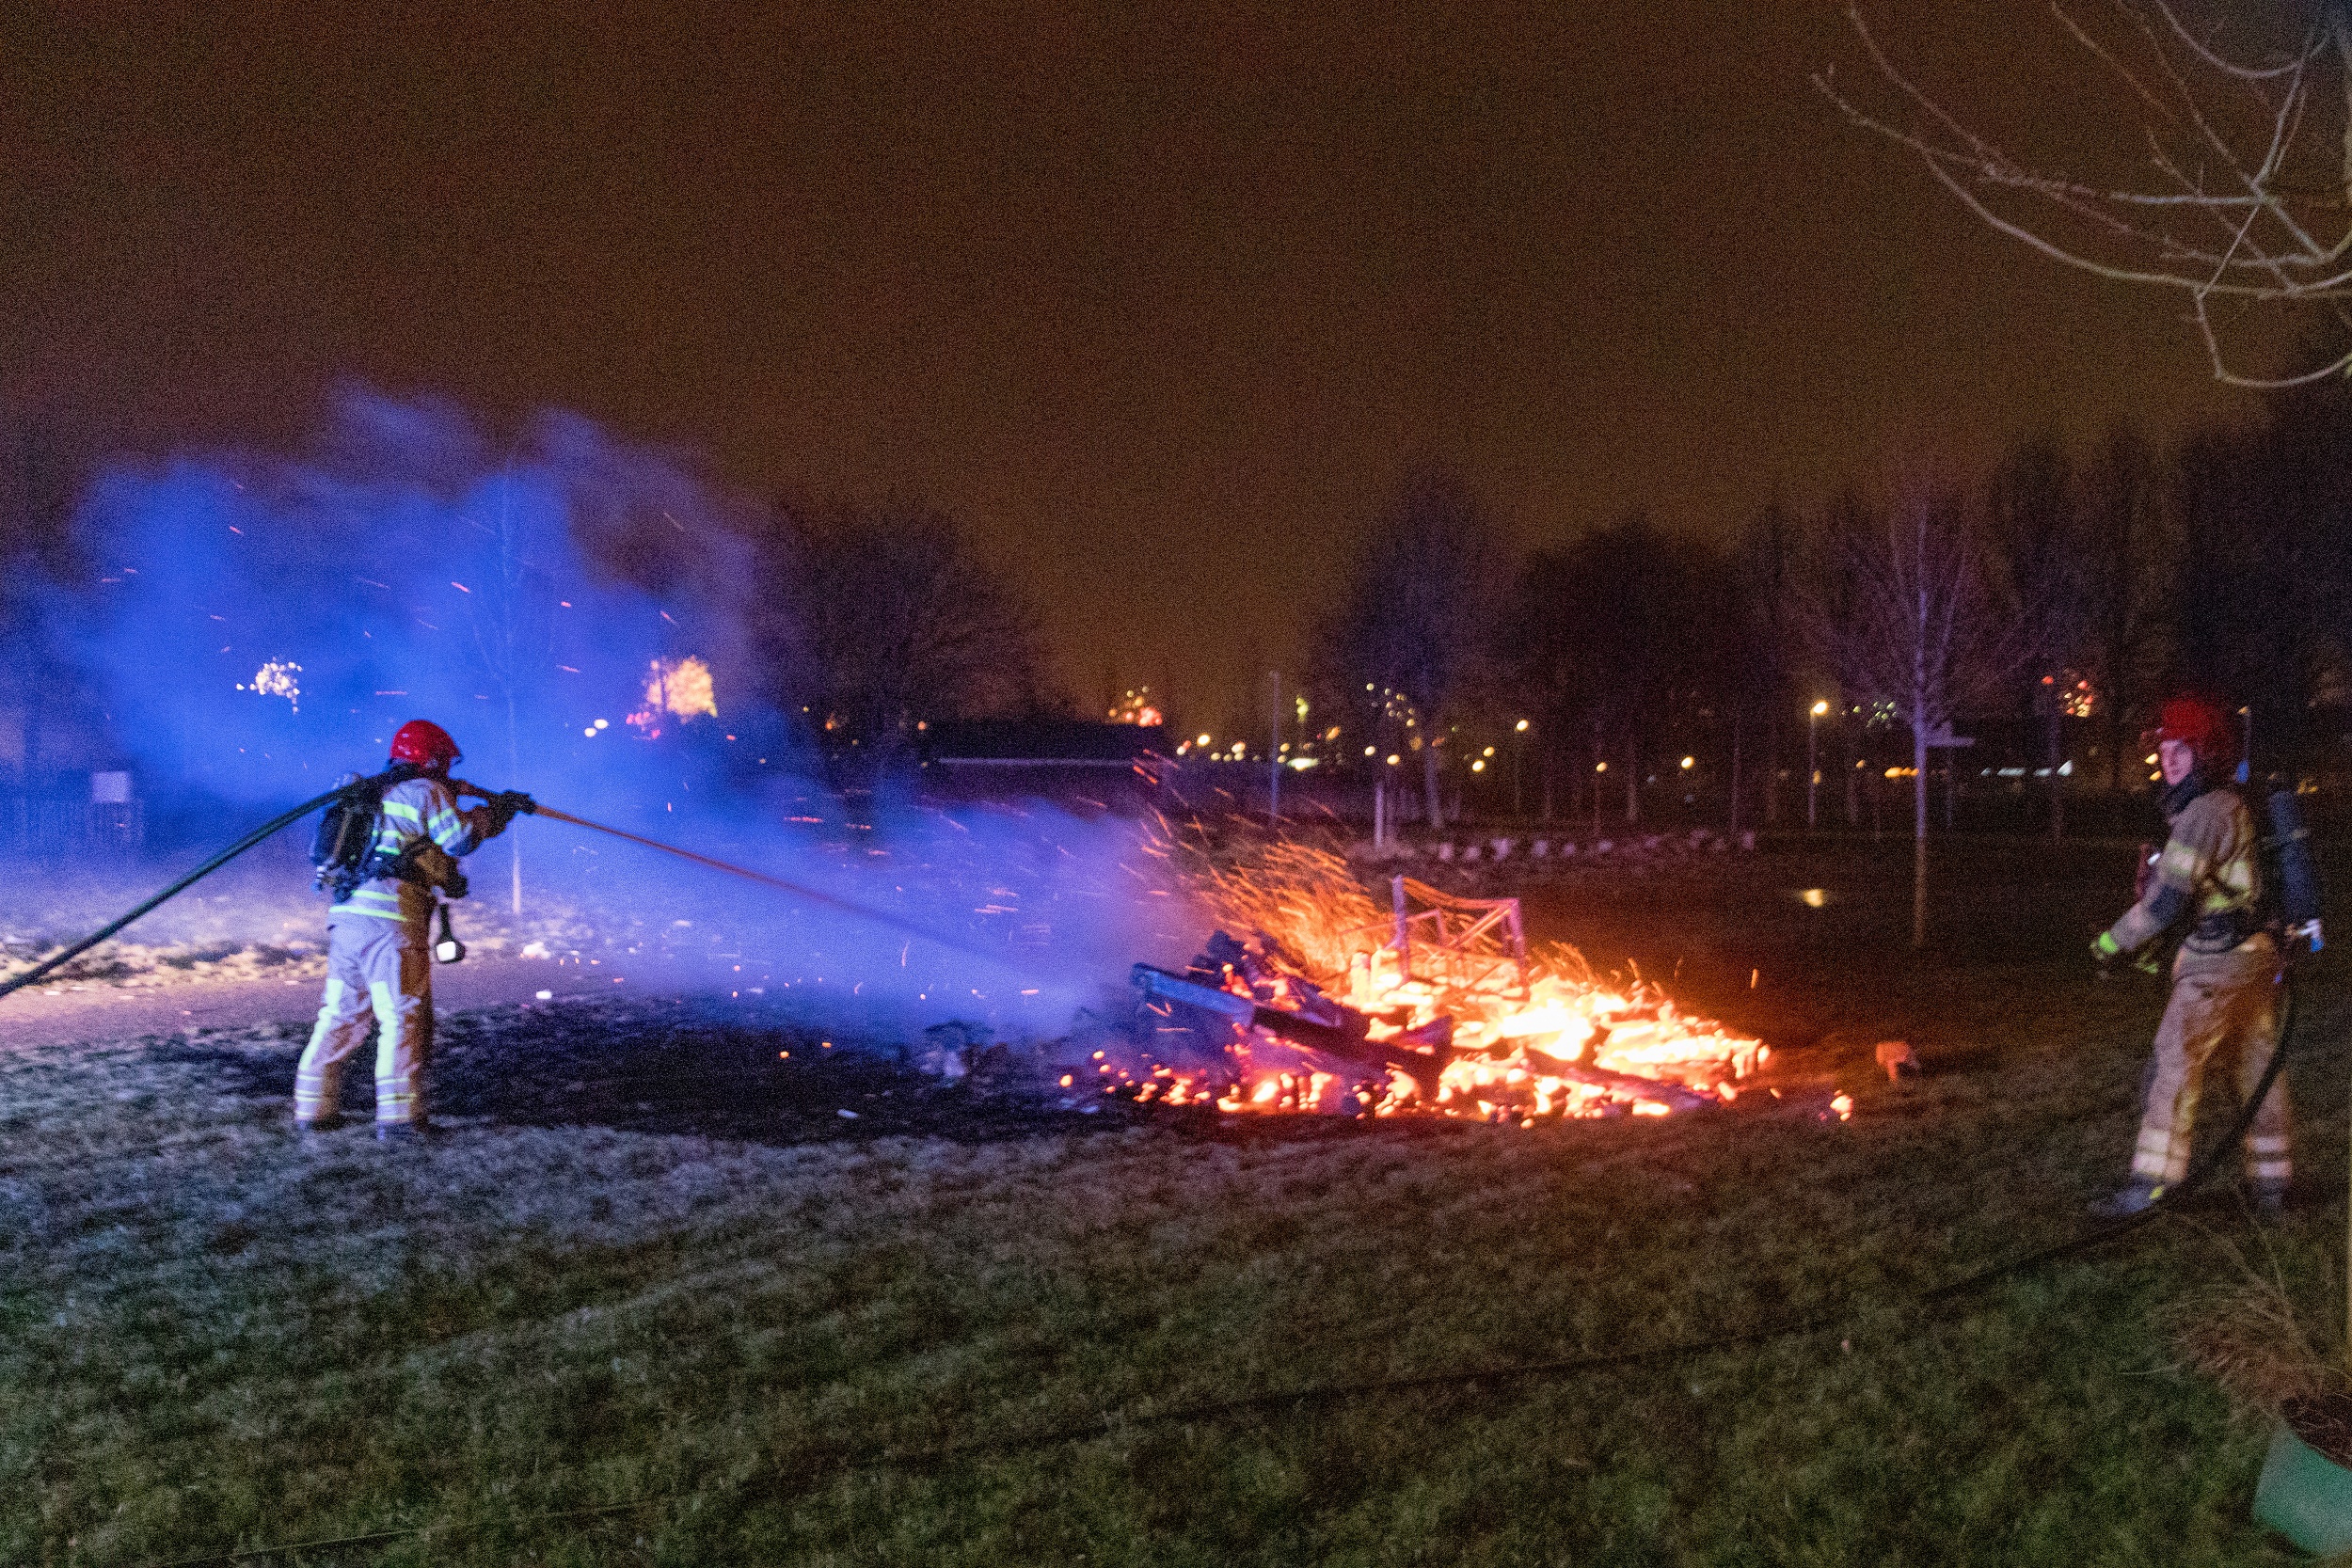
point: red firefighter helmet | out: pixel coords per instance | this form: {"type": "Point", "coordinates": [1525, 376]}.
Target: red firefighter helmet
{"type": "Point", "coordinates": [2199, 723]}
{"type": "Point", "coordinates": [425, 744]}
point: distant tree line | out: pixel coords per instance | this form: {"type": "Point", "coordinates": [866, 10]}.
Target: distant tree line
{"type": "Point", "coordinates": [860, 625]}
{"type": "Point", "coordinates": [2062, 587]}
{"type": "Point", "coordinates": [2063, 593]}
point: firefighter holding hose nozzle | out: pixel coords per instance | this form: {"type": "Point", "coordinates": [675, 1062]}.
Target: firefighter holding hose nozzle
{"type": "Point", "coordinates": [2223, 1011]}
{"type": "Point", "coordinates": [387, 850]}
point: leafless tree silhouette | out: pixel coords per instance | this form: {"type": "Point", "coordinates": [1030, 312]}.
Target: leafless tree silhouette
{"type": "Point", "coordinates": [2228, 178]}
{"type": "Point", "coordinates": [1905, 612]}
{"type": "Point", "coordinates": [2130, 543]}
{"type": "Point", "coordinates": [898, 621]}
{"type": "Point", "coordinates": [1426, 586]}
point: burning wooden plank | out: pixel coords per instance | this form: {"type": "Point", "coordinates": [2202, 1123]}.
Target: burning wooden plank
{"type": "Point", "coordinates": [1421, 1053]}
{"type": "Point", "coordinates": [1312, 996]}
{"type": "Point", "coordinates": [1257, 1034]}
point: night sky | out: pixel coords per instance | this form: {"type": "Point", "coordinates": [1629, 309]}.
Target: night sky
{"type": "Point", "coordinates": [1160, 306]}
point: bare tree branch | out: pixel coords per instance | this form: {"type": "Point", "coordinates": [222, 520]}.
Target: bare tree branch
{"type": "Point", "coordinates": [2232, 139]}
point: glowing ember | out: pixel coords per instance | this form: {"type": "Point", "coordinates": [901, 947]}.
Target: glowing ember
{"type": "Point", "coordinates": [1335, 1005]}
{"type": "Point", "coordinates": [277, 679]}
{"type": "Point", "coordinates": [675, 687]}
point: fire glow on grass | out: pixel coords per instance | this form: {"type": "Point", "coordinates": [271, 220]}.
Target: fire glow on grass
{"type": "Point", "coordinates": [1557, 1043]}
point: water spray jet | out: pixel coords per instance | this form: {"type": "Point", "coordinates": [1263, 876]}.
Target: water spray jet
{"type": "Point", "coordinates": [810, 894]}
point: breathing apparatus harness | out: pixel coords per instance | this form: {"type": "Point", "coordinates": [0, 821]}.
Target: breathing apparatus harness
{"type": "Point", "coordinates": [2289, 906]}
{"type": "Point", "coordinates": [344, 853]}
{"type": "Point", "coordinates": [2291, 875]}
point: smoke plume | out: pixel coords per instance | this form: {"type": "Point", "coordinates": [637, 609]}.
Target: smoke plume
{"type": "Point", "coordinates": [587, 619]}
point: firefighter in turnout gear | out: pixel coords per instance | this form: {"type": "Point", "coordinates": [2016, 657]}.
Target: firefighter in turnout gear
{"type": "Point", "coordinates": [2223, 1013]}
{"type": "Point", "coordinates": [379, 974]}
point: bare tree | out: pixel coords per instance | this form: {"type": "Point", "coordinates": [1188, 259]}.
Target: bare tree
{"type": "Point", "coordinates": [897, 622]}
{"type": "Point", "coordinates": [1413, 619]}
{"type": "Point", "coordinates": [2124, 555]}
{"type": "Point", "coordinates": [2228, 177]}
{"type": "Point", "coordinates": [1633, 637]}
{"type": "Point", "coordinates": [1764, 575]}
{"type": "Point", "coordinates": [2035, 531]}
{"type": "Point", "coordinates": [1646, 633]}
{"type": "Point", "coordinates": [1902, 612]}
{"type": "Point", "coordinates": [1546, 664]}
{"type": "Point", "coordinates": [2262, 571]}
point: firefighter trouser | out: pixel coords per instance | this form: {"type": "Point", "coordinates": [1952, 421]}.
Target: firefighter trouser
{"type": "Point", "coordinates": [374, 981]}
{"type": "Point", "coordinates": [2223, 1014]}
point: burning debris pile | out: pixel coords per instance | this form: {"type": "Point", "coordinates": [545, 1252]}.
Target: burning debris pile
{"type": "Point", "coordinates": [1435, 1005]}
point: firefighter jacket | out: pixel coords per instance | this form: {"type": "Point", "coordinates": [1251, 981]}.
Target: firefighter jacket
{"type": "Point", "coordinates": [2210, 873]}
{"type": "Point", "coordinates": [421, 816]}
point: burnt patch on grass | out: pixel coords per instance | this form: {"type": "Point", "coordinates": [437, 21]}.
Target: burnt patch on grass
{"type": "Point", "coordinates": [711, 1067]}
{"type": "Point", "coordinates": [663, 1065]}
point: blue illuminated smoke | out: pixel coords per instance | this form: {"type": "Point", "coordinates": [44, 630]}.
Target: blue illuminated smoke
{"type": "Point", "coordinates": [410, 570]}
{"type": "Point", "coordinates": [264, 624]}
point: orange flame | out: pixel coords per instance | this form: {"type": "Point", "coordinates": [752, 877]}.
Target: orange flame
{"type": "Point", "coordinates": [1563, 1043]}
{"type": "Point", "coordinates": [679, 687]}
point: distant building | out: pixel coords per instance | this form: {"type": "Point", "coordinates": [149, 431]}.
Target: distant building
{"type": "Point", "coordinates": [63, 787]}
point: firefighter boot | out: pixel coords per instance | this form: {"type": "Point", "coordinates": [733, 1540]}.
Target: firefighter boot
{"type": "Point", "coordinates": [2270, 1199]}
{"type": "Point", "coordinates": [2133, 1198]}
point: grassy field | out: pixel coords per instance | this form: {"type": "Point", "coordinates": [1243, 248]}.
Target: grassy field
{"type": "Point", "coordinates": [652, 1298]}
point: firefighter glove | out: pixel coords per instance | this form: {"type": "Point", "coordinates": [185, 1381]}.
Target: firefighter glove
{"type": "Point", "coordinates": [2106, 953]}
{"type": "Point", "coordinates": [507, 804]}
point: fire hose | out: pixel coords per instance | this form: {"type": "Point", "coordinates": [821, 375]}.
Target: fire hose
{"type": "Point", "coordinates": [278, 824]}
{"type": "Point", "coordinates": [57, 960]}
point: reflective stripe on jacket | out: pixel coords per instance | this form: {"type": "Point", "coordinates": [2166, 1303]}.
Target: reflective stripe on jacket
{"type": "Point", "coordinates": [425, 811]}
{"type": "Point", "coordinates": [2210, 873]}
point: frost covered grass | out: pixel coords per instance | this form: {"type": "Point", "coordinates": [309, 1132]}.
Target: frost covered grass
{"type": "Point", "coordinates": [651, 1270]}
{"type": "Point", "coordinates": [257, 917]}
{"type": "Point", "coordinates": [240, 923]}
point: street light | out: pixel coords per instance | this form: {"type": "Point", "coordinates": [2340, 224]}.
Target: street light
{"type": "Point", "coordinates": [1519, 751]}
{"type": "Point", "coordinates": [1812, 767]}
